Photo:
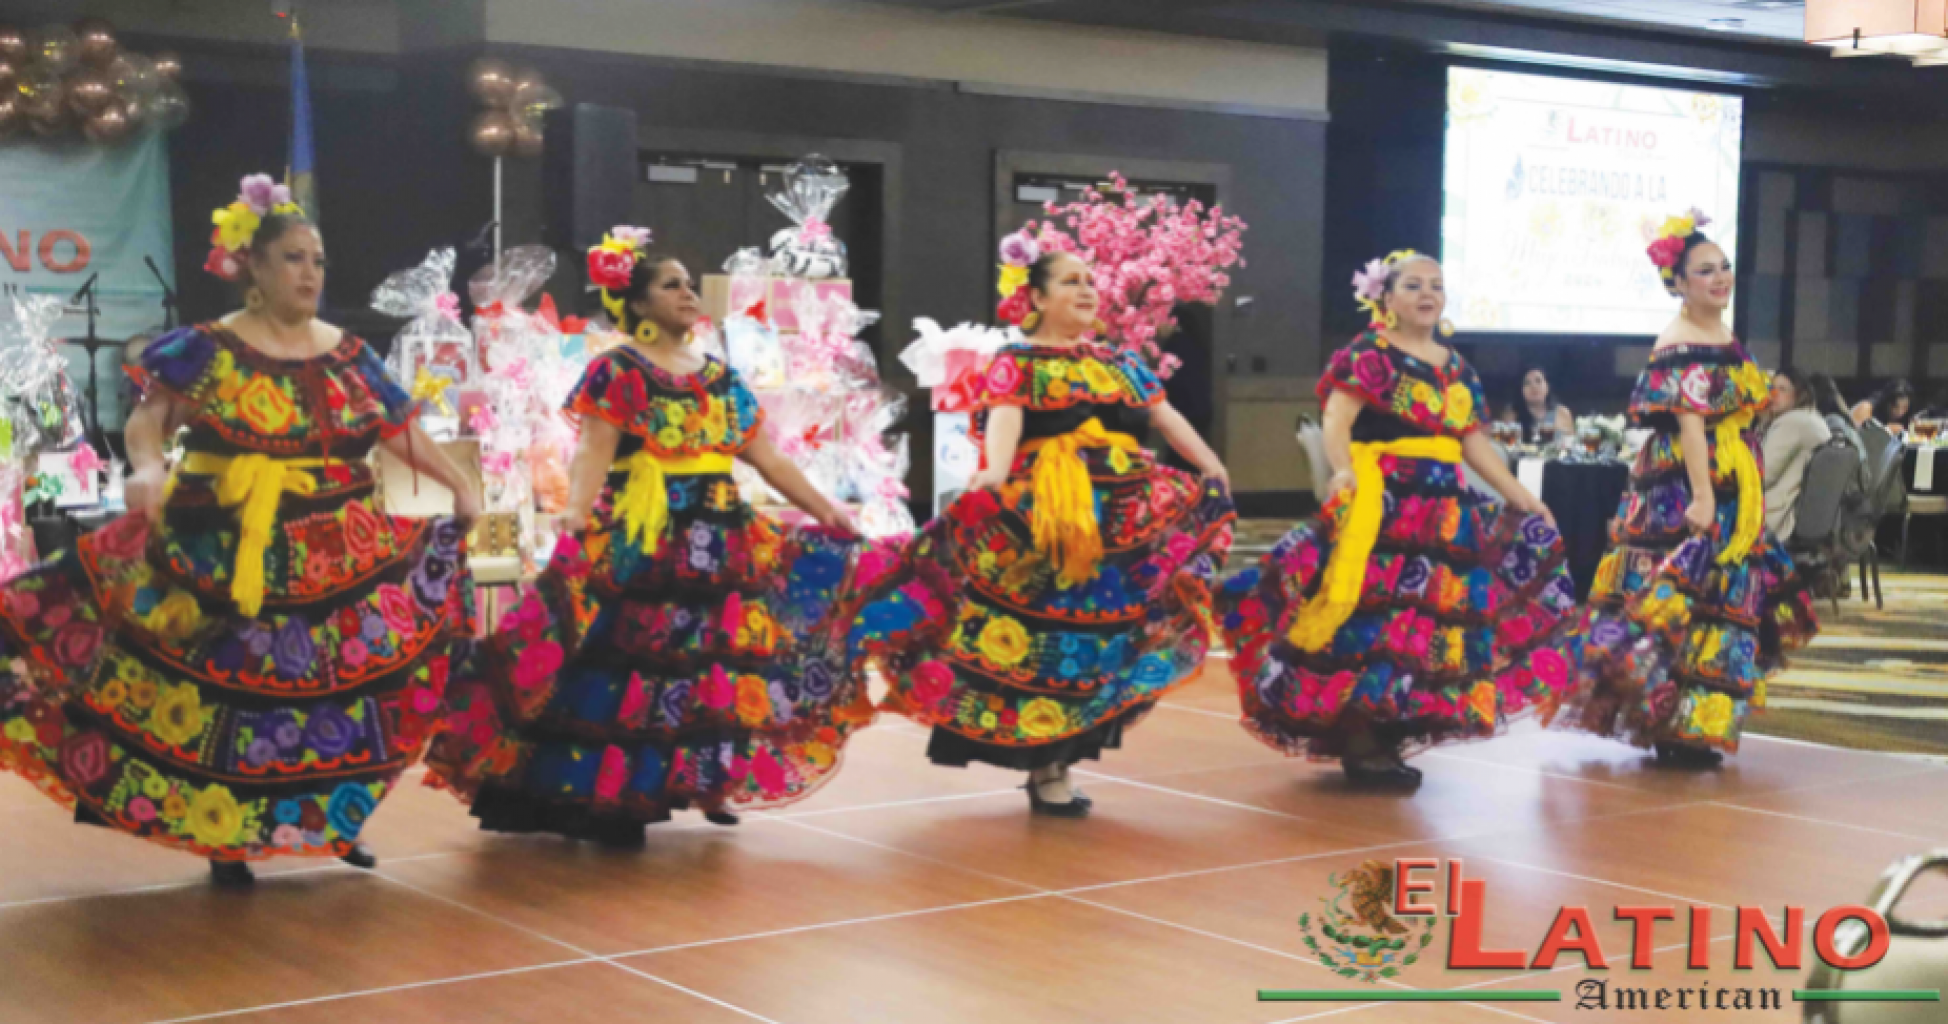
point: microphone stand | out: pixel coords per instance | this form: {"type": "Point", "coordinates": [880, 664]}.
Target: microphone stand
{"type": "Point", "coordinates": [169, 300]}
{"type": "Point", "coordinates": [91, 344]}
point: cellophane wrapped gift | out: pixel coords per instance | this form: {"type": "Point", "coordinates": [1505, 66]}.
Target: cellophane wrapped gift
{"type": "Point", "coordinates": [43, 408]}
{"type": "Point", "coordinates": [812, 186]}
{"type": "Point", "coordinates": [433, 354]}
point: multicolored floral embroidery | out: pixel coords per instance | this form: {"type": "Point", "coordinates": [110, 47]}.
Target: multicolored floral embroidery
{"type": "Point", "coordinates": [1441, 401]}
{"type": "Point", "coordinates": [625, 684]}
{"type": "Point", "coordinates": [1677, 647]}
{"type": "Point", "coordinates": [981, 636]}
{"type": "Point", "coordinates": [673, 415]}
{"type": "Point", "coordinates": [140, 694]}
{"type": "Point", "coordinates": [1465, 618]}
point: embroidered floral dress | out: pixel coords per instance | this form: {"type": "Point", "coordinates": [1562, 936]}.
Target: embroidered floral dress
{"type": "Point", "coordinates": [699, 664]}
{"type": "Point", "coordinates": [984, 636]}
{"type": "Point", "coordinates": [1683, 631]}
{"type": "Point", "coordinates": [141, 694]}
{"type": "Point", "coordinates": [1452, 613]}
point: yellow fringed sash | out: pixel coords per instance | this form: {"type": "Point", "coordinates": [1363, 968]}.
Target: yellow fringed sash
{"type": "Point", "coordinates": [644, 503]}
{"type": "Point", "coordinates": [1751, 486]}
{"type": "Point", "coordinates": [1064, 516]}
{"type": "Point", "coordinates": [1345, 576]}
{"type": "Point", "coordinates": [253, 485]}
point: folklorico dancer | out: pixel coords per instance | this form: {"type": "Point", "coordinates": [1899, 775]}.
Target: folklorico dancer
{"type": "Point", "coordinates": [1696, 605]}
{"type": "Point", "coordinates": [1051, 606]}
{"type": "Point", "coordinates": [1411, 611]}
{"type": "Point", "coordinates": [243, 665]}
{"type": "Point", "coordinates": [680, 650]}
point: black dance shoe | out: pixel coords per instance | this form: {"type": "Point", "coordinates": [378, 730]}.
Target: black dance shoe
{"type": "Point", "coordinates": [1384, 775]}
{"type": "Point", "coordinates": [721, 817]}
{"type": "Point", "coordinates": [1679, 755]}
{"type": "Point", "coordinates": [361, 857]}
{"type": "Point", "coordinates": [1077, 806]}
{"type": "Point", "coordinates": [231, 873]}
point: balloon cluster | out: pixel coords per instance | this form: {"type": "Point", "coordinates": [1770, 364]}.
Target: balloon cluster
{"type": "Point", "coordinates": [514, 101]}
{"type": "Point", "coordinates": [64, 78]}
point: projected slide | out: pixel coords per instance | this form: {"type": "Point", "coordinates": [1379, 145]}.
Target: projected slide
{"type": "Point", "coordinates": [1554, 187]}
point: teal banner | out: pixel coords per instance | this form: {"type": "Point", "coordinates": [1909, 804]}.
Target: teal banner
{"type": "Point", "coordinates": [71, 210]}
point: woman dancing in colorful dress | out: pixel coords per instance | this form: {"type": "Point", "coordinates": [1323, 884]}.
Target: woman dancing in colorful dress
{"type": "Point", "coordinates": [243, 666]}
{"type": "Point", "coordinates": [681, 650]}
{"type": "Point", "coordinates": [1695, 605]}
{"type": "Point", "coordinates": [1050, 607]}
{"type": "Point", "coordinates": [1410, 612]}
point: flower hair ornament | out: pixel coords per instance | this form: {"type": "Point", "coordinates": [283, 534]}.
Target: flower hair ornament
{"type": "Point", "coordinates": [1668, 247]}
{"type": "Point", "coordinates": [611, 264]}
{"type": "Point", "coordinates": [1370, 289]}
{"type": "Point", "coordinates": [237, 223]}
{"type": "Point", "coordinates": [1019, 251]}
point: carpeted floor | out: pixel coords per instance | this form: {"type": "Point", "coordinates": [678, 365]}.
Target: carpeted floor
{"type": "Point", "coordinates": [1873, 680]}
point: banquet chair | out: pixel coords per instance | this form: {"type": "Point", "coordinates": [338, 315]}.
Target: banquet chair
{"type": "Point", "coordinates": [1916, 504]}
{"type": "Point", "coordinates": [1816, 536]}
{"type": "Point", "coordinates": [1885, 493]}
{"type": "Point", "coordinates": [1312, 441]}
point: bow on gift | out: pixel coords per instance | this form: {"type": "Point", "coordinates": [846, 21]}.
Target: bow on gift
{"type": "Point", "coordinates": [813, 231]}
{"type": "Point", "coordinates": [449, 306]}
{"type": "Point", "coordinates": [84, 461]}
{"type": "Point", "coordinates": [566, 325]}
{"type": "Point", "coordinates": [430, 388]}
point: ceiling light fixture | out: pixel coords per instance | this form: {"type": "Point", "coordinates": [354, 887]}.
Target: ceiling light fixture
{"type": "Point", "coordinates": [1914, 29]}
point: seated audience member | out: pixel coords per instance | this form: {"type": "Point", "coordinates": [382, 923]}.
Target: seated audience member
{"type": "Point", "coordinates": [1796, 429]}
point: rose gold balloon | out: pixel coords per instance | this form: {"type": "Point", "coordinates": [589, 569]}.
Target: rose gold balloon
{"type": "Point", "coordinates": [168, 65]}
{"type": "Point", "coordinates": [493, 133]}
{"type": "Point", "coordinates": [527, 77]}
{"type": "Point", "coordinates": [533, 101]}
{"type": "Point", "coordinates": [491, 82]}
{"type": "Point", "coordinates": [110, 124]}
{"type": "Point", "coordinates": [169, 107]}
{"type": "Point", "coordinates": [95, 43]}
{"type": "Point", "coordinates": [527, 138]}
{"type": "Point", "coordinates": [57, 44]}
{"type": "Point", "coordinates": [134, 75]}
{"type": "Point", "coordinates": [49, 121]}
{"type": "Point", "coordinates": [13, 45]}
{"type": "Point", "coordinates": [11, 115]}
{"type": "Point", "coordinates": [89, 93]}
{"type": "Point", "coordinates": [40, 91]}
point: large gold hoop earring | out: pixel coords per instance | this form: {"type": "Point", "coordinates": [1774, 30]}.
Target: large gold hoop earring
{"type": "Point", "coordinates": [254, 299]}
{"type": "Point", "coordinates": [1389, 320]}
{"type": "Point", "coordinates": [1101, 329]}
{"type": "Point", "coordinates": [1031, 321]}
{"type": "Point", "coordinates": [1447, 328]}
{"type": "Point", "coordinates": [647, 333]}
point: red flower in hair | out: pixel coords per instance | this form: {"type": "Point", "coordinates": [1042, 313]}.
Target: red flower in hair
{"type": "Point", "coordinates": [1015, 308]}
{"type": "Point", "coordinates": [610, 269]}
{"type": "Point", "coordinates": [223, 263]}
{"type": "Point", "coordinates": [1665, 252]}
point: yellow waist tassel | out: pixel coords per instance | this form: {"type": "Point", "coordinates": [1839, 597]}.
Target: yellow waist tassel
{"type": "Point", "coordinates": [1064, 516]}
{"type": "Point", "coordinates": [644, 504]}
{"type": "Point", "coordinates": [253, 485]}
{"type": "Point", "coordinates": [1345, 576]}
{"type": "Point", "coordinates": [1751, 486]}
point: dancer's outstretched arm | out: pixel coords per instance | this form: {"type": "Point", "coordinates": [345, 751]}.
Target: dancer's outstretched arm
{"type": "Point", "coordinates": [787, 479]}
{"type": "Point", "coordinates": [1184, 439]}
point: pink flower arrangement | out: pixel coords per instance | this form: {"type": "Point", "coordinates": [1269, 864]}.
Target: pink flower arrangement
{"type": "Point", "coordinates": [637, 238]}
{"type": "Point", "coordinates": [263, 195]}
{"type": "Point", "coordinates": [1149, 255]}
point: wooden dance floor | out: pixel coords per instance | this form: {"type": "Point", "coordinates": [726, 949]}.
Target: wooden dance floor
{"type": "Point", "coordinates": [906, 892]}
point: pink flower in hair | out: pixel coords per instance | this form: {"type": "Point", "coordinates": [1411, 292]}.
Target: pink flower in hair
{"type": "Point", "coordinates": [259, 193]}
{"type": "Point", "coordinates": [635, 236]}
{"type": "Point", "coordinates": [1019, 249]}
{"type": "Point", "coordinates": [1371, 283]}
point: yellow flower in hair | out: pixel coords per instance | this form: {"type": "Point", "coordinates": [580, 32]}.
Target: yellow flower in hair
{"type": "Point", "coordinates": [1012, 278]}
{"type": "Point", "coordinates": [614, 244]}
{"type": "Point", "coordinates": [1678, 227]}
{"type": "Point", "coordinates": [236, 225]}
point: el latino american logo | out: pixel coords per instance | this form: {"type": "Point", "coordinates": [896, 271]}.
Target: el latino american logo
{"type": "Point", "coordinates": [1381, 919]}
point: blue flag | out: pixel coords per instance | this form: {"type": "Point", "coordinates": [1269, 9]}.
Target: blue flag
{"type": "Point", "coordinates": [298, 173]}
